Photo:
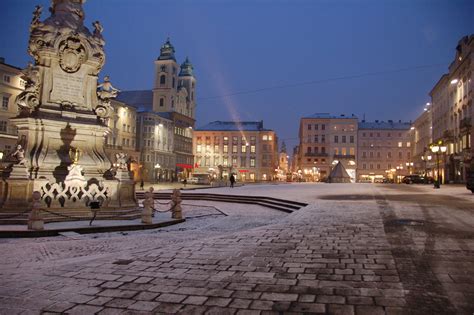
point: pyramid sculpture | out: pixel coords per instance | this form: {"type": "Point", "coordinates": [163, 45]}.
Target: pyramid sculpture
{"type": "Point", "coordinates": [339, 174]}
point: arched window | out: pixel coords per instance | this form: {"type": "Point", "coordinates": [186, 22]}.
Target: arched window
{"type": "Point", "coordinates": [162, 102]}
{"type": "Point", "coordinates": [162, 79]}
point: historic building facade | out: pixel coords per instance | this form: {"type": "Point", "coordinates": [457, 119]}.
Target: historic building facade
{"type": "Point", "coordinates": [452, 113]}
{"type": "Point", "coordinates": [170, 107]}
{"type": "Point", "coordinates": [11, 85]}
{"type": "Point", "coordinates": [422, 139]}
{"type": "Point", "coordinates": [384, 150]}
{"type": "Point", "coordinates": [245, 148]}
{"type": "Point", "coordinates": [324, 140]}
{"type": "Point", "coordinates": [123, 135]}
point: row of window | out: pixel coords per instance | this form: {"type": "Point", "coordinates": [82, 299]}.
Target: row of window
{"type": "Point", "coordinates": [381, 144]}
{"type": "Point", "coordinates": [378, 134]}
{"type": "Point", "coordinates": [316, 126]}
{"type": "Point", "coordinates": [235, 139]}
{"type": "Point", "coordinates": [378, 166]}
{"type": "Point", "coordinates": [389, 154]}
{"type": "Point", "coordinates": [225, 148]}
{"type": "Point", "coordinates": [206, 161]}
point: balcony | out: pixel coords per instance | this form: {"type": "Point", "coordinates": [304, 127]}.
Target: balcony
{"type": "Point", "coordinates": [344, 156]}
{"type": "Point", "coordinates": [316, 154]}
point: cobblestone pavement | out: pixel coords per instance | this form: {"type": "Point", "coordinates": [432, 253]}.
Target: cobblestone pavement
{"type": "Point", "coordinates": [355, 249]}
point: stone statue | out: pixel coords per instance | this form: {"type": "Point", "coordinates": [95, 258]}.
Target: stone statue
{"type": "Point", "coordinates": [19, 155]}
{"type": "Point", "coordinates": [121, 161]}
{"type": "Point", "coordinates": [106, 91]}
{"type": "Point", "coordinates": [36, 16]}
{"type": "Point", "coordinates": [35, 218]}
{"type": "Point", "coordinates": [176, 210]}
{"type": "Point", "coordinates": [148, 205]}
{"type": "Point", "coordinates": [29, 98]}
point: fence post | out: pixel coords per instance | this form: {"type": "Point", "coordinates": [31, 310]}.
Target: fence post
{"type": "Point", "coordinates": [35, 218]}
{"type": "Point", "coordinates": [176, 210]}
{"type": "Point", "coordinates": [148, 204]}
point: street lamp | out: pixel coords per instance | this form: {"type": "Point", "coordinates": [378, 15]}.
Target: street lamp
{"type": "Point", "coordinates": [409, 166]}
{"type": "Point", "coordinates": [436, 149]}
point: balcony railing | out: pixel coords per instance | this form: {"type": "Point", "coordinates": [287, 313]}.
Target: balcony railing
{"type": "Point", "coordinates": [344, 156]}
{"type": "Point", "coordinates": [316, 154]}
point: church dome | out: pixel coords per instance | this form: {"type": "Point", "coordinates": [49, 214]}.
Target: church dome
{"type": "Point", "coordinates": [186, 69]}
{"type": "Point", "coordinates": [167, 51]}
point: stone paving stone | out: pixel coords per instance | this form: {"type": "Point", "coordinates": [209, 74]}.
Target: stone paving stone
{"type": "Point", "coordinates": [58, 307]}
{"type": "Point", "coordinates": [279, 296]}
{"type": "Point", "coordinates": [193, 309]}
{"type": "Point", "coordinates": [326, 299]}
{"type": "Point", "coordinates": [195, 300]}
{"type": "Point", "coordinates": [116, 293]}
{"type": "Point", "coordinates": [384, 301]}
{"type": "Point", "coordinates": [360, 300]}
{"type": "Point", "coordinates": [248, 312]}
{"type": "Point", "coordinates": [110, 311]}
{"type": "Point", "coordinates": [101, 300]}
{"type": "Point", "coordinates": [84, 310]}
{"type": "Point", "coordinates": [170, 298]}
{"type": "Point", "coordinates": [167, 308]}
{"type": "Point", "coordinates": [217, 301]}
{"type": "Point", "coordinates": [146, 296]}
{"type": "Point", "coordinates": [120, 303]}
{"type": "Point", "coordinates": [369, 310]}
{"type": "Point", "coordinates": [261, 305]}
{"type": "Point", "coordinates": [307, 307]}
{"type": "Point", "coordinates": [145, 306]}
{"type": "Point", "coordinates": [111, 284]}
{"type": "Point", "coordinates": [338, 309]}
{"type": "Point", "coordinates": [240, 303]}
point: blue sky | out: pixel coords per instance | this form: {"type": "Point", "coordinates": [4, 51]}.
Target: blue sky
{"type": "Point", "coordinates": [251, 44]}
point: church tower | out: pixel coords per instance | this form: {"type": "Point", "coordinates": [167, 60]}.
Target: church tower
{"type": "Point", "coordinates": [188, 81]}
{"type": "Point", "coordinates": [166, 79]}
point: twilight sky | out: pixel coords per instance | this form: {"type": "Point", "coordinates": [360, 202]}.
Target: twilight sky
{"type": "Point", "coordinates": [246, 45]}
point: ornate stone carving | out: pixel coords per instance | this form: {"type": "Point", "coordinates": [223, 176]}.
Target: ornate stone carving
{"type": "Point", "coordinates": [19, 156]}
{"type": "Point", "coordinates": [105, 92]}
{"type": "Point", "coordinates": [121, 161]}
{"type": "Point", "coordinates": [29, 98]}
{"type": "Point", "coordinates": [72, 54]}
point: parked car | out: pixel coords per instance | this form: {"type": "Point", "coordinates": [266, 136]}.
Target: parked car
{"type": "Point", "coordinates": [193, 180]}
{"type": "Point", "coordinates": [417, 179]}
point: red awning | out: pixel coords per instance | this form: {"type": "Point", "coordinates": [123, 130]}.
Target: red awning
{"type": "Point", "coordinates": [243, 171]}
{"type": "Point", "coordinates": [184, 165]}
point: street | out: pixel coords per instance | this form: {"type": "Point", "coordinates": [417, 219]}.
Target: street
{"type": "Point", "coordinates": [355, 249]}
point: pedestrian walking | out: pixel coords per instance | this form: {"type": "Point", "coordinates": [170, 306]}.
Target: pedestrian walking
{"type": "Point", "coordinates": [142, 184]}
{"type": "Point", "coordinates": [232, 180]}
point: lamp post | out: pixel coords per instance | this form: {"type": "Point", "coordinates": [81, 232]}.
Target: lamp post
{"type": "Point", "coordinates": [425, 159]}
{"type": "Point", "coordinates": [436, 149]}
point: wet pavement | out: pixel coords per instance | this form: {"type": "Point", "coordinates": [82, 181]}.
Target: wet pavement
{"type": "Point", "coordinates": [355, 249]}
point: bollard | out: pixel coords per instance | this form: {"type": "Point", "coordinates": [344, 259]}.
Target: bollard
{"type": "Point", "coordinates": [176, 211]}
{"type": "Point", "coordinates": [148, 204]}
{"type": "Point", "coordinates": [35, 219]}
